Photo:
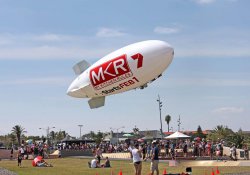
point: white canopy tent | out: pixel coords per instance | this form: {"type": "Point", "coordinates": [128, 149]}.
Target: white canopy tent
{"type": "Point", "coordinates": [177, 135]}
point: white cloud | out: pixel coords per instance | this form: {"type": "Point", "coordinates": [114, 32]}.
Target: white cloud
{"type": "Point", "coordinates": [57, 46]}
{"type": "Point", "coordinates": [51, 52]}
{"type": "Point", "coordinates": [166, 30]}
{"type": "Point", "coordinates": [199, 51]}
{"type": "Point", "coordinates": [38, 81]}
{"type": "Point", "coordinates": [232, 0]}
{"type": "Point", "coordinates": [108, 32]}
{"type": "Point", "coordinates": [222, 42]}
{"type": "Point", "coordinates": [204, 1]}
{"type": "Point", "coordinates": [51, 37]}
{"type": "Point", "coordinates": [228, 110]}
{"type": "Point", "coordinates": [216, 43]}
{"type": "Point", "coordinates": [6, 39]}
{"type": "Point", "coordinates": [204, 82]}
{"type": "Point", "coordinates": [10, 40]}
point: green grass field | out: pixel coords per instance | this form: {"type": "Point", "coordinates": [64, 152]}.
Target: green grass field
{"type": "Point", "coordinates": [76, 166]}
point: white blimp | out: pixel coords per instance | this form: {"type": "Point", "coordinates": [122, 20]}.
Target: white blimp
{"type": "Point", "coordinates": [130, 67]}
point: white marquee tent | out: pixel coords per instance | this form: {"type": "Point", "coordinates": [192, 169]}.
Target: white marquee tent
{"type": "Point", "coordinates": [177, 135]}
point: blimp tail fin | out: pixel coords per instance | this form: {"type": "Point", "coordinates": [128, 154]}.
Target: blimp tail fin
{"type": "Point", "coordinates": [81, 67]}
{"type": "Point", "coordinates": [96, 102]}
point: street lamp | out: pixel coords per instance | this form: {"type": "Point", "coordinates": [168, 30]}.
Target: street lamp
{"type": "Point", "coordinates": [47, 132]}
{"type": "Point", "coordinates": [160, 105]}
{"type": "Point", "coordinates": [179, 123]}
{"type": "Point", "coordinates": [117, 129]}
{"type": "Point", "coordinates": [80, 130]}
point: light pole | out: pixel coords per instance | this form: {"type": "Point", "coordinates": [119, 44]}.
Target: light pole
{"type": "Point", "coordinates": [179, 123]}
{"type": "Point", "coordinates": [80, 130]}
{"type": "Point", "coordinates": [160, 105]}
{"type": "Point", "coordinates": [47, 132]}
{"type": "Point", "coordinates": [117, 129]}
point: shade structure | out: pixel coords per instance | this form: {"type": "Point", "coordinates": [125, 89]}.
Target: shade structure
{"type": "Point", "coordinates": [127, 135]}
{"type": "Point", "coordinates": [147, 138]}
{"type": "Point", "coordinates": [177, 135]}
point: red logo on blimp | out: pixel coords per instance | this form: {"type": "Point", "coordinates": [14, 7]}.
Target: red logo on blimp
{"type": "Point", "coordinates": [110, 72]}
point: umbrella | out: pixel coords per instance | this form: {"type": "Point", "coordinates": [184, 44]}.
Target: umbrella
{"type": "Point", "coordinates": [37, 159]}
{"type": "Point", "coordinates": [127, 135]}
{"type": "Point", "coordinates": [177, 135]}
{"type": "Point", "coordinates": [29, 141]}
{"type": "Point", "coordinates": [140, 140]}
{"type": "Point", "coordinates": [197, 138]}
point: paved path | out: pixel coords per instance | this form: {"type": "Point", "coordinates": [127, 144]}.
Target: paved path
{"type": "Point", "coordinates": [117, 155]}
{"type": "Point", "coordinates": [6, 172]}
{"type": "Point", "coordinates": [215, 163]}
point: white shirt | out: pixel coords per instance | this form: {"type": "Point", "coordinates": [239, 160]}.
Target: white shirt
{"type": "Point", "coordinates": [21, 150]}
{"type": "Point", "coordinates": [93, 163]}
{"type": "Point", "coordinates": [130, 149]}
{"type": "Point", "coordinates": [136, 156]}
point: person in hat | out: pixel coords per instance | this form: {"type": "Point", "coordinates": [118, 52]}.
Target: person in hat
{"type": "Point", "coordinates": [136, 153]}
{"type": "Point", "coordinates": [154, 159]}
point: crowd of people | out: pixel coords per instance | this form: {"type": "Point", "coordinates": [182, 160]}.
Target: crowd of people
{"type": "Point", "coordinates": [167, 148]}
{"type": "Point", "coordinates": [105, 146]}
{"type": "Point", "coordinates": [25, 150]}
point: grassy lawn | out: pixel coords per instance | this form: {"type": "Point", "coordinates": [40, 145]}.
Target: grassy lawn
{"type": "Point", "coordinates": [75, 166]}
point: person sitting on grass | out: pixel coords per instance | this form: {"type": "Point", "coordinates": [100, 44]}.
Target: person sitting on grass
{"type": "Point", "coordinates": [94, 163]}
{"type": "Point", "coordinates": [106, 164]}
{"type": "Point", "coordinates": [42, 163]}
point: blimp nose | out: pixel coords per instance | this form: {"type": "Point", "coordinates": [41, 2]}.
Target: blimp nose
{"type": "Point", "coordinates": [168, 53]}
{"type": "Point", "coordinates": [71, 90]}
{"type": "Point", "coordinates": [75, 91]}
{"type": "Point", "coordinates": [164, 48]}
{"type": "Point", "coordinates": [171, 52]}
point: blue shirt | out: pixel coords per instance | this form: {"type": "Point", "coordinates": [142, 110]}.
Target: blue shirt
{"type": "Point", "coordinates": [156, 153]}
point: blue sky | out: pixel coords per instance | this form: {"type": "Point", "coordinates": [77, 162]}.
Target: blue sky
{"type": "Point", "coordinates": [207, 83]}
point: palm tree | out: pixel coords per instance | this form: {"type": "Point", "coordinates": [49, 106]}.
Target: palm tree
{"type": "Point", "coordinates": [18, 130]}
{"type": "Point", "coordinates": [220, 132]}
{"type": "Point", "coordinates": [238, 138]}
{"type": "Point", "coordinates": [168, 119]}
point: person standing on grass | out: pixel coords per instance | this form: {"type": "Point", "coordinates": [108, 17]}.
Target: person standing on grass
{"type": "Point", "coordinates": [136, 153]}
{"type": "Point", "coordinates": [144, 151]}
{"type": "Point", "coordinates": [99, 153]}
{"type": "Point", "coordinates": [36, 151]}
{"type": "Point", "coordinates": [148, 156]}
{"type": "Point", "coordinates": [155, 158]}
{"type": "Point", "coordinates": [246, 151]}
{"type": "Point", "coordinates": [19, 158]}
{"type": "Point", "coordinates": [11, 153]}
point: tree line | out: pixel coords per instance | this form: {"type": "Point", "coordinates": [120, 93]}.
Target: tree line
{"type": "Point", "coordinates": [220, 132]}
